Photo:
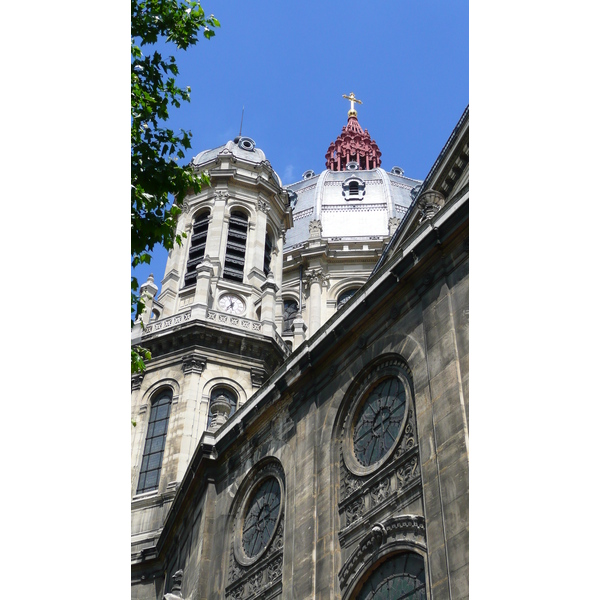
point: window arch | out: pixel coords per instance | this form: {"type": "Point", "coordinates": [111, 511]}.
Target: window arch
{"type": "Point", "coordinates": [155, 442]}
{"type": "Point", "coordinates": [235, 253]}
{"type": "Point", "coordinates": [197, 246]}
{"type": "Point", "coordinates": [399, 577]}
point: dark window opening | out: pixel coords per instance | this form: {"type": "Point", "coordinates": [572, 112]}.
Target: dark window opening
{"type": "Point", "coordinates": [235, 254]}
{"type": "Point", "coordinates": [197, 248]}
{"type": "Point", "coordinates": [268, 252]}
{"type": "Point", "coordinates": [290, 310]}
{"type": "Point", "coordinates": [353, 188]}
{"type": "Point", "coordinates": [155, 443]}
{"type": "Point", "coordinates": [345, 296]}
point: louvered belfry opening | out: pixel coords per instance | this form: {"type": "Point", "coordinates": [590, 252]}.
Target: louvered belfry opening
{"type": "Point", "coordinates": [197, 247]}
{"type": "Point", "coordinates": [235, 253]}
{"type": "Point", "coordinates": [268, 252]}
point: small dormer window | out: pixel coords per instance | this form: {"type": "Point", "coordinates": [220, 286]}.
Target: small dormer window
{"type": "Point", "coordinates": [353, 188]}
{"type": "Point", "coordinates": [246, 143]}
{"type": "Point", "coordinates": [352, 166]}
{"type": "Point", "coordinates": [397, 171]}
{"type": "Point", "coordinates": [308, 174]}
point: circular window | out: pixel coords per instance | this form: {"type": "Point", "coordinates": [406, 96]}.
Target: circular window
{"type": "Point", "coordinates": [378, 422]}
{"type": "Point", "coordinates": [259, 516]}
{"type": "Point", "coordinates": [377, 419]}
{"type": "Point", "coordinates": [247, 143]}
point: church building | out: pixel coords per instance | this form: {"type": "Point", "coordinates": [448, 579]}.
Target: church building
{"type": "Point", "coordinates": [302, 428]}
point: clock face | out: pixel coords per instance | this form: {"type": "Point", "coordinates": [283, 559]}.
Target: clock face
{"type": "Point", "coordinates": [231, 304]}
{"type": "Point", "coordinates": [378, 421]}
{"type": "Point", "coordinates": [261, 517]}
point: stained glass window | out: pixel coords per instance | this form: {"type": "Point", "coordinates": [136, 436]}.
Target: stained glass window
{"type": "Point", "coordinates": [261, 517]}
{"type": "Point", "coordinates": [378, 421]}
{"type": "Point", "coordinates": [155, 443]}
{"type": "Point", "coordinates": [401, 577]}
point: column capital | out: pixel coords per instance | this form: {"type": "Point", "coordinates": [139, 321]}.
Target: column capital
{"type": "Point", "coordinates": [193, 363]}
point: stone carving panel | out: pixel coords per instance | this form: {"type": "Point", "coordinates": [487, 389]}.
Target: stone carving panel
{"type": "Point", "coordinates": [364, 491]}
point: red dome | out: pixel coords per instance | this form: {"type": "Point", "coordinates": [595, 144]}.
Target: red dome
{"type": "Point", "coordinates": [353, 144]}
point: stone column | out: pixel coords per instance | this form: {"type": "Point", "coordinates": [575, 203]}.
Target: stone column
{"type": "Point", "coordinates": [202, 296]}
{"type": "Point", "coordinates": [215, 238]}
{"type": "Point", "coordinates": [267, 314]}
{"type": "Point", "coordinates": [315, 279]}
{"type": "Point", "coordinates": [255, 248]}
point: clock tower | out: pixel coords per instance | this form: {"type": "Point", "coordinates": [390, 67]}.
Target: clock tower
{"type": "Point", "coordinates": [214, 330]}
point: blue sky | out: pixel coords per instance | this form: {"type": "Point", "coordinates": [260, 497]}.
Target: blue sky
{"type": "Point", "coordinates": [288, 64]}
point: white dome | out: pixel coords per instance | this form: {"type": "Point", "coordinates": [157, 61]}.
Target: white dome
{"type": "Point", "coordinates": [350, 204]}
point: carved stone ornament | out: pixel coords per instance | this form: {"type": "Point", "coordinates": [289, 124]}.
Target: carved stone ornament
{"type": "Point", "coordinates": [315, 275]}
{"type": "Point", "coordinates": [175, 593]}
{"type": "Point", "coordinates": [222, 195]}
{"type": "Point", "coordinates": [263, 206]}
{"type": "Point", "coordinates": [393, 223]}
{"type": "Point", "coordinates": [406, 531]}
{"type": "Point", "coordinates": [136, 381]}
{"type": "Point", "coordinates": [430, 203]}
{"type": "Point", "coordinates": [193, 364]}
{"type": "Point", "coordinates": [315, 229]}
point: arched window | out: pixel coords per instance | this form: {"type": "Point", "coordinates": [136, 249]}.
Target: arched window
{"type": "Point", "coordinates": [216, 393]}
{"type": "Point", "coordinates": [268, 252]}
{"type": "Point", "coordinates": [290, 310]}
{"type": "Point", "coordinates": [345, 296]}
{"type": "Point", "coordinates": [155, 442]}
{"type": "Point", "coordinates": [197, 247]}
{"type": "Point", "coordinates": [353, 188]}
{"type": "Point", "coordinates": [235, 253]}
{"type": "Point", "coordinates": [401, 577]}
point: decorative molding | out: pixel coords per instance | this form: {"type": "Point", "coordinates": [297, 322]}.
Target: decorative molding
{"type": "Point", "coordinates": [328, 208]}
{"type": "Point", "coordinates": [303, 213]}
{"type": "Point", "coordinates": [166, 323]}
{"type": "Point", "coordinates": [394, 531]}
{"type": "Point", "coordinates": [263, 206]}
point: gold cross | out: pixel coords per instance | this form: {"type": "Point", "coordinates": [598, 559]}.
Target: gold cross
{"type": "Point", "coordinates": [352, 99]}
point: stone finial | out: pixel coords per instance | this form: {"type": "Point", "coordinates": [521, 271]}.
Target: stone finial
{"type": "Point", "coordinates": [220, 407]}
{"type": "Point", "coordinates": [430, 203]}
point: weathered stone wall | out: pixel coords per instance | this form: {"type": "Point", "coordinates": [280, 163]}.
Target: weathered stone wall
{"type": "Point", "coordinates": [424, 322]}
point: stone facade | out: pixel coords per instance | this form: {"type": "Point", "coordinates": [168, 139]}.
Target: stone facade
{"type": "Point", "coordinates": [280, 501]}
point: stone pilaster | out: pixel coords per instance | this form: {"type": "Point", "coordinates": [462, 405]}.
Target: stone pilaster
{"type": "Point", "coordinates": [193, 366]}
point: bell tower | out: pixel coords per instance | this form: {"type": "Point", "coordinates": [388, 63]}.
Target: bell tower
{"type": "Point", "coordinates": [214, 330]}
